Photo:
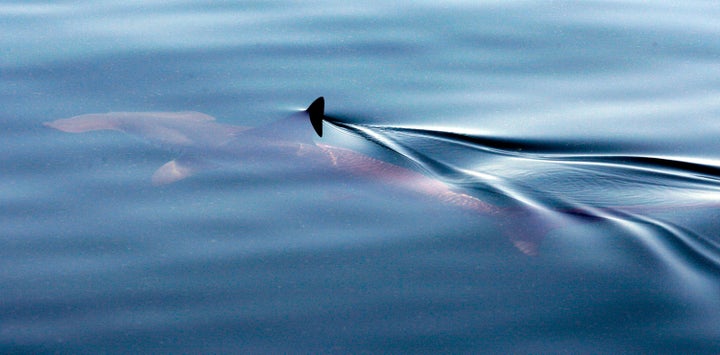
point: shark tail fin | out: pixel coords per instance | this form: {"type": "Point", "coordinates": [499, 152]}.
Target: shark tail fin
{"type": "Point", "coordinates": [316, 111]}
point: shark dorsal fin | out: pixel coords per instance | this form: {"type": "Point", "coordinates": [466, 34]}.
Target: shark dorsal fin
{"type": "Point", "coordinates": [316, 111]}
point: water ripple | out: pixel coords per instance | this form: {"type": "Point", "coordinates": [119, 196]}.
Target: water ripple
{"type": "Point", "coordinates": [547, 184]}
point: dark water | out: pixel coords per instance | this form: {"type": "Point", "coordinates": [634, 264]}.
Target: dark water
{"type": "Point", "coordinates": [591, 128]}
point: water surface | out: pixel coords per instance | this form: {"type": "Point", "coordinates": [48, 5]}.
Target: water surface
{"type": "Point", "coordinates": [591, 127]}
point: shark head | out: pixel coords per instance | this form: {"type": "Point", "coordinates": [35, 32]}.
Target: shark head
{"type": "Point", "coordinates": [84, 123]}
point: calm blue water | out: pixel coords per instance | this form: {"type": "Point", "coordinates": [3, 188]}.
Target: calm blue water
{"type": "Point", "coordinates": [591, 128]}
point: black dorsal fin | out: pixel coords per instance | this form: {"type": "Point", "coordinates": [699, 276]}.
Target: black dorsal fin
{"type": "Point", "coordinates": [316, 111]}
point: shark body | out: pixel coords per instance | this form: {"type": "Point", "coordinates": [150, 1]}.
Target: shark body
{"type": "Point", "coordinates": [201, 142]}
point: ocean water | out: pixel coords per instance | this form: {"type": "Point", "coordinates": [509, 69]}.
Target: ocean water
{"type": "Point", "coordinates": [584, 133]}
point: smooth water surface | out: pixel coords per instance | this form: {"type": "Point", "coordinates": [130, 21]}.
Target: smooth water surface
{"type": "Point", "coordinates": [589, 128]}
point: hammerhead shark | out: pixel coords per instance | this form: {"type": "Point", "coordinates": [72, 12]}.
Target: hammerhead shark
{"type": "Point", "coordinates": [201, 143]}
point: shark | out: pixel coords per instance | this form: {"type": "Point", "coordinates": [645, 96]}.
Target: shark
{"type": "Point", "coordinates": [201, 143]}
{"type": "Point", "coordinates": [528, 188]}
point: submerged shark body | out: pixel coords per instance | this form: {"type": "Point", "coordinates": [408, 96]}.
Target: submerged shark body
{"type": "Point", "coordinates": [202, 143]}
{"type": "Point", "coordinates": [528, 189]}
